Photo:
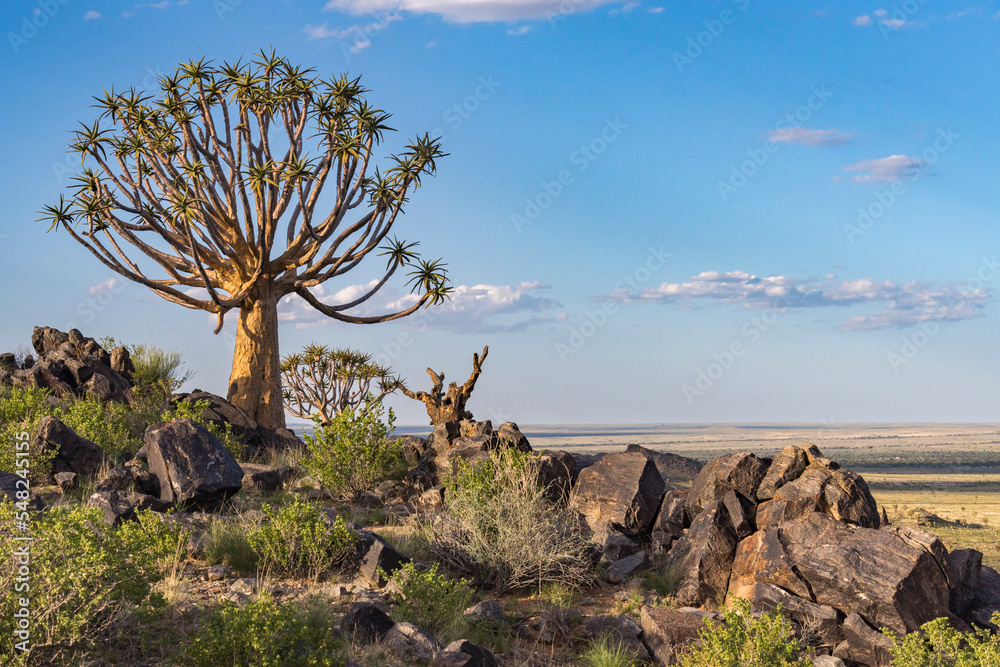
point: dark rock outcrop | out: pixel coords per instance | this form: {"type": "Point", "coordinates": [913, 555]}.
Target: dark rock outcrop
{"type": "Point", "coordinates": [120, 506]}
{"type": "Point", "coordinates": [190, 464]}
{"type": "Point", "coordinates": [73, 453]}
{"type": "Point", "coordinates": [741, 472]}
{"type": "Point", "coordinates": [622, 490]}
{"type": "Point", "coordinates": [669, 632]}
{"type": "Point", "coordinates": [365, 623]}
{"type": "Point", "coordinates": [70, 364]}
{"type": "Point", "coordinates": [463, 653]}
{"type": "Point", "coordinates": [703, 557]}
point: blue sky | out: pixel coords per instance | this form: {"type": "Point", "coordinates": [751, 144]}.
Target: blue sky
{"type": "Point", "coordinates": [719, 211]}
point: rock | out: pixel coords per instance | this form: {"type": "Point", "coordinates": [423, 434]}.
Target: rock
{"type": "Point", "coordinates": [66, 480]}
{"type": "Point", "coordinates": [219, 572]}
{"type": "Point", "coordinates": [901, 571]}
{"type": "Point", "coordinates": [623, 568]}
{"type": "Point", "coordinates": [964, 569]}
{"type": "Point", "coordinates": [742, 514]}
{"type": "Point", "coordinates": [410, 644]}
{"type": "Point", "coordinates": [703, 557]}
{"type": "Point", "coordinates": [863, 644]}
{"type": "Point", "coordinates": [818, 625]}
{"type": "Point", "coordinates": [620, 630]}
{"type": "Point", "coordinates": [509, 435]}
{"type": "Point", "coordinates": [986, 600]}
{"type": "Point", "coordinates": [121, 362]}
{"type": "Point", "coordinates": [615, 546]}
{"type": "Point", "coordinates": [557, 474]}
{"type": "Point", "coordinates": [127, 478]}
{"type": "Point", "coordinates": [412, 448]}
{"type": "Point", "coordinates": [11, 484]}
{"type": "Point", "coordinates": [432, 498]}
{"type": "Point", "coordinates": [463, 653]}
{"type": "Point", "coordinates": [263, 479]}
{"type": "Point", "coordinates": [669, 632]}
{"type": "Point", "coordinates": [120, 506]}
{"type": "Point", "coordinates": [470, 428]}
{"type": "Point", "coordinates": [423, 476]}
{"type": "Point", "coordinates": [660, 541]}
{"type": "Point", "coordinates": [365, 623]}
{"type": "Point", "coordinates": [442, 436]}
{"type": "Point", "coordinates": [372, 556]}
{"type": "Point", "coordinates": [672, 518]}
{"type": "Point", "coordinates": [8, 362]}
{"type": "Point", "coordinates": [244, 586]}
{"type": "Point", "coordinates": [785, 467]}
{"type": "Point", "coordinates": [488, 612]}
{"type": "Point", "coordinates": [741, 472]}
{"type": "Point", "coordinates": [255, 438]}
{"type": "Point", "coordinates": [821, 487]}
{"type": "Point", "coordinates": [827, 661]}
{"type": "Point", "coordinates": [73, 453]}
{"type": "Point", "coordinates": [190, 464]}
{"type": "Point", "coordinates": [624, 490]}
{"type": "Point", "coordinates": [673, 468]}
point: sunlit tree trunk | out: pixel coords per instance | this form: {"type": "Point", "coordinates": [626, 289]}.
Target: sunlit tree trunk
{"type": "Point", "coordinates": [255, 381]}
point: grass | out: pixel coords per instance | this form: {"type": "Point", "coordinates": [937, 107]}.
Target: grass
{"type": "Point", "coordinates": [606, 651]}
{"type": "Point", "coordinates": [229, 544]}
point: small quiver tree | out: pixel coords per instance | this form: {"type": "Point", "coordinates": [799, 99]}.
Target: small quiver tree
{"type": "Point", "coordinates": [449, 407]}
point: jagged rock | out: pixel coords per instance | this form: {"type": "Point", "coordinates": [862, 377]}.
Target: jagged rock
{"type": "Point", "coordinates": [964, 569]}
{"type": "Point", "coordinates": [219, 572]}
{"type": "Point", "coordinates": [615, 546]}
{"type": "Point", "coordinates": [264, 479]}
{"type": "Point", "coordinates": [8, 362]}
{"type": "Point", "coordinates": [470, 428]}
{"type": "Point", "coordinates": [410, 644]}
{"type": "Point", "coordinates": [509, 435]}
{"type": "Point", "coordinates": [372, 557]}
{"type": "Point", "coordinates": [620, 630]}
{"type": "Point", "coordinates": [365, 623]}
{"type": "Point", "coordinates": [623, 568]}
{"type": "Point", "coordinates": [11, 484]}
{"type": "Point", "coordinates": [423, 476]}
{"type": "Point", "coordinates": [672, 518]}
{"type": "Point", "coordinates": [412, 448]}
{"type": "Point", "coordinates": [741, 472]}
{"type": "Point", "coordinates": [822, 487]}
{"type": "Point", "coordinates": [673, 468]}
{"type": "Point", "coordinates": [73, 453]}
{"type": "Point", "coordinates": [246, 586]}
{"type": "Point", "coordinates": [432, 498]}
{"type": "Point", "coordinates": [66, 481]}
{"type": "Point", "coordinates": [785, 467]}
{"type": "Point", "coordinates": [256, 438]}
{"type": "Point", "coordinates": [902, 571]}
{"type": "Point", "coordinates": [863, 644]}
{"type": "Point", "coordinates": [128, 478]}
{"type": "Point", "coordinates": [704, 556]}
{"type": "Point", "coordinates": [556, 474]}
{"type": "Point", "coordinates": [441, 437]}
{"type": "Point", "coordinates": [121, 362]}
{"type": "Point", "coordinates": [819, 625]}
{"type": "Point", "coordinates": [463, 653]}
{"type": "Point", "coordinates": [827, 661]}
{"type": "Point", "coordinates": [742, 514]}
{"type": "Point", "coordinates": [190, 464]}
{"type": "Point", "coordinates": [660, 542]}
{"type": "Point", "coordinates": [669, 632]}
{"type": "Point", "coordinates": [119, 506]}
{"type": "Point", "coordinates": [488, 611]}
{"type": "Point", "coordinates": [623, 489]}
{"type": "Point", "coordinates": [986, 601]}
{"type": "Point", "coordinates": [70, 364]}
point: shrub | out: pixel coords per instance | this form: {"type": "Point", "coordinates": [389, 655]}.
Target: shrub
{"type": "Point", "coordinates": [196, 413]}
{"type": "Point", "coordinates": [154, 366]}
{"type": "Point", "coordinates": [606, 651]}
{"type": "Point", "coordinates": [433, 601]}
{"type": "Point", "coordinates": [297, 540]}
{"type": "Point", "coordinates": [499, 527]}
{"type": "Point", "coordinates": [664, 581]}
{"type": "Point", "coordinates": [20, 412]}
{"type": "Point", "coordinates": [264, 633]}
{"type": "Point", "coordinates": [229, 544]}
{"type": "Point", "coordinates": [352, 453]}
{"type": "Point", "coordinates": [744, 641]}
{"type": "Point", "coordinates": [106, 424]}
{"type": "Point", "coordinates": [940, 645]}
{"type": "Point", "coordinates": [89, 581]}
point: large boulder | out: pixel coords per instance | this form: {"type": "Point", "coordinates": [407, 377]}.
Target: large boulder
{"type": "Point", "coordinates": [895, 577]}
{"type": "Point", "coordinates": [190, 464]}
{"type": "Point", "coordinates": [817, 625]}
{"type": "Point", "coordinates": [621, 490]}
{"type": "Point", "coordinates": [703, 557]}
{"type": "Point", "coordinates": [365, 623]}
{"type": "Point", "coordinates": [70, 364]}
{"type": "Point", "coordinates": [863, 644]}
{"type": "Point", "coordinates": [557, 473]}
{"type": "Point", "coordinates": [223, 414]}
{"type": "Point", "coordinates": [741, 472]}
{"type": "Point", "coordinates": [120, 506]}
{"type": "Point", "coordinates": [673, 468]}
{"type": "Point", "coordinates": [986, 600]}
{"type": "Point", "coordinates": [965, 567]}
{"type": "Point", "coordinates": [373, 558]}
{"type": "Point", "coordinates": [669, 632]}
{"type": "Point", "coordinates": [786, 466]}
{"type": "Point", "coordinates": [73, 453]}
{"type": "Point", "coordinates": [672, 518]}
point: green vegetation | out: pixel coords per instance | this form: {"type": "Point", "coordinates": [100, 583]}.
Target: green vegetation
{"type": "Point", "coordinates": [606, 651]}
{"type": "Point", "coordinates": [229, 544]}
{"type": "Point", "coordinates": [264, 633]}
{"type": "Point", "coordinates": [745, 641]}
{"type": "Point", "coordinates": [499, 527]}
{"type": "Point", "coordinates": [938, 644]}
{"type": "Point", "coordinates": [296, 539]}
{"type": "Point", "coordinates": [196, 412]}
{"type": "Point", "coordinates": [433, 601]}
{"type": "Point", "coordinates": [90, 583]}
{"type": "Point", "coordinates": [154, 366]}
{"type": "Point", "coordinates": [352, 453]}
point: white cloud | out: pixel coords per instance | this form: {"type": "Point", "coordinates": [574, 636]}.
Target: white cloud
{"type": "Point", "coordinates": [655, 10]}
{"type": "Point", "coordinates": [109, 285]}
{"type": "Point", "coordinates": [896, 23]}
{"type": "Point", "coordinates": [880, 13]}
{"type": "Point", "coordinates": [901, 305]}
{"type": "Point", "coordinates": [476, 308]}
{"type": "Point", "coordinates": [885, 169]}
{"type": "Point", "coordinates": [863, 20]}
{"type": "Point", "coordinates": [802, 135]}
{"type": "Point", "coordinates": [91, 15]}
{"type": "Point", "coordinates": [627, 8]}
{"type": "Point", "coordinates": [469, 11]}
{"type": "Point", "coordinates": [524, 29]}
{"type": "Point", "coordinates": [359, 36]}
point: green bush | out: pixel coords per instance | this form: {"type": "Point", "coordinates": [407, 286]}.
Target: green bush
{"type": "Point", "coordinates": [264, 633]}
{"type": "Point", "coordinates": [607, 651]}
{"type": "Point", "coordinates": [433, 601]}
{"type": "Point", "coordinates": [352, 453]}
{"type": "Point", "coordinates": [229, 544]}
{"type": "Point", "coordinates": [297, 540]}
{"type": "Point", "coordinates": [744, 641]}
{"type": "Point", "coordinates": [154, 366]}
{"type": "Point", "coordinates": [20, 412]}
{"type": "Point", "coordinates": [107, 424]}
{"type": "Point", "coordinates": [499, 527]}
{"type": "Point", "coordinates": [89, 581]}
{"type": "Point", "coordinates": [938, 644]}
{"type": "Point", "coordinates": [196, 413]}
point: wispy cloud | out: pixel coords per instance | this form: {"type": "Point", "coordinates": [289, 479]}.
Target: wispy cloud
{"type": "Point", "coordinates": [863, 20]}
{"type": "Point", "coordinates": [521, 30]}
{"type": "Point", "coordinates": [91, 15]}
{"type": "Point", "coordinates": [802, 135]}
{"type": "Point", "coordinates": [469, 11]}
{"type": "Point", "coordinates": [902, 305]}
{"type": "Point", "coordinates": [885, 169]}
{"type": "Point", "coordinates": [655, 10]}
{"type": "Point", "coordinates": [358, 36]}
{"type": "Point", "coordinates": [471, 309]}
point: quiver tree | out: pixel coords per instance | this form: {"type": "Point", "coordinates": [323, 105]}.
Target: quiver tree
{"type": "Point", "coordinates": [324, 382]}
{"type": "Point", "coordinates": [449, 407]}
{"type": "Point", "coordinates": [217, 180]}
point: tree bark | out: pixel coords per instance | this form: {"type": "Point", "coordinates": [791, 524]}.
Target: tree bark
{"type": "Point", "coordinates": [255, 382]}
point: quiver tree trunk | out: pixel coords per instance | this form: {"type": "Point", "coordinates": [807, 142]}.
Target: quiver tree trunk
{"type": "Point", "coordinates": [255, 381]}
{"type": "Point", "coordinates": [449, 407]}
